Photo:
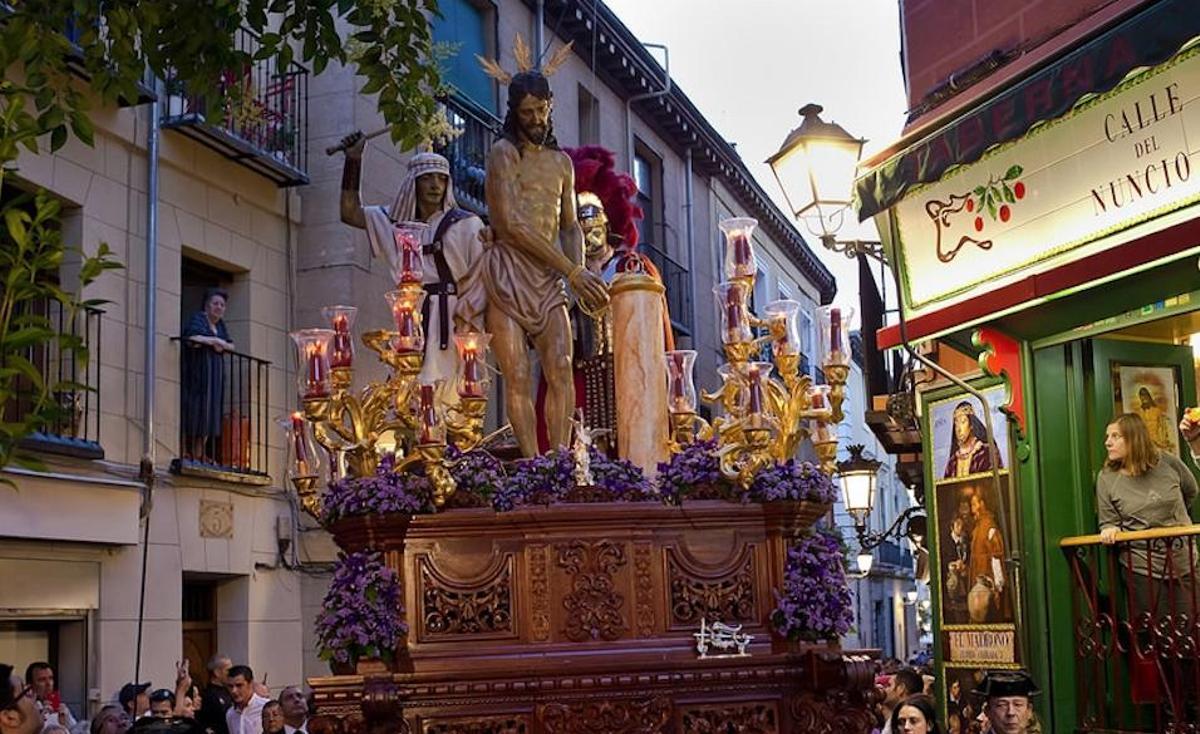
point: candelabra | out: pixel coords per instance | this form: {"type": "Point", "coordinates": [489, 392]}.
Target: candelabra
{"type": "Point", "coordinates": [764, 418]}
{"type": "Point", "coordinates": [401, 414]}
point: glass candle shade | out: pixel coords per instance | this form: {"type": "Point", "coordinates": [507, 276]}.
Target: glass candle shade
{"type": "Point", "coordinates": [341, 320]}
{"type": "Point", "coordinates": [472, 355]}
{"type": "Point", "coordinates": [834, 329]}
{"type": "Point", "coordinates": [432, 430]}
{"type": "Point", "coordinates": [739, 247]}
{"type": "Point", "coordinates": [735, 316]}
{"type": "Point", "coordinates": [756, 375]}
{"type": "Point", "coordinates": [306, 459]}
{"type": "Point", "coordinates": [312, 347]}
{"type": "Point", "coordinates": [784, 326]}
{"type": "Point", "coordinates": [818, 399]}
{"type": "Point", "coordinates": [408, 265]}
{"type": "Point", "coordinates": [681, 386]}
{"type": "Point", "coordinates": [406, 312]}
{"type": "Point", "coordinates": [734, 382]}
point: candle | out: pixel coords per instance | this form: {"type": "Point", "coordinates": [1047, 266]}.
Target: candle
{"type": "Point", "coordinates": [317, 379]}
{"type": "Point", "coordinates": [835, 331]}
{"type": "Point", "coordinates": [471, 387]}
{"type": "Point", "coordinates": [818, 401]}
{"type": "Point", "coordinates": [755, 399]}
{"type": "Point", "coordinates": [734, 318]}
{"type": "Point", "coordinates": [302, 459]}
{"type": "Point", "coordinates": [409, 249]}
{"type": "Point", "coordinates": [741, 251]}
{"type": "Point", "coordinates": [407, 339]}
{"type": "Point", "coordinates": [429, 419]}
{"type": "Point", "coordinates": [343, 346]}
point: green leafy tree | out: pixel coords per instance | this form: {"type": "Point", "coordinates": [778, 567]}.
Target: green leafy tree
{"type": "Point", "coordinates": [116, 45]}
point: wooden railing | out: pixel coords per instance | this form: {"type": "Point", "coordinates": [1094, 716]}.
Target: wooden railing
{"type": "Point", "coordinates": [1136, 607]}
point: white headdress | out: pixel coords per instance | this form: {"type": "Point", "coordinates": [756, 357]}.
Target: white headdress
{"type": "Point", "coordinates": [405, 207]}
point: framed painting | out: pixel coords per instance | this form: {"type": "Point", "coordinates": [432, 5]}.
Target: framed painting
{"type": "Point", "coordinates": [1151, 393]}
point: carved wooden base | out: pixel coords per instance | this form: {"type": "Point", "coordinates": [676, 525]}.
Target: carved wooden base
{"type": "Point", "coordinates": [580, 618]}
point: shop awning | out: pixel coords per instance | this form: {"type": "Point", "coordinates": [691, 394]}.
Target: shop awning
{"type": "Point", "coordinates": [1148, 38]}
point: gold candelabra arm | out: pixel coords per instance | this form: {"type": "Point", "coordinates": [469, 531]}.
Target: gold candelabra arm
{"type": "Point", "coordinates": [836, 375]}
{"type": "Point", "coordinates": [433, 456]}
{"type": "Point", "coordinates": [464, 421]}
{"type": "Point", "coordinates": [309, 494]}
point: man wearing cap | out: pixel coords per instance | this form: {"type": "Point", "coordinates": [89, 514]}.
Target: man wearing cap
{"type": "Point", "coordinates": [18, 715]}
{"type": "Point", "coordinates": [134, 699]}
{"type": "Point", "coordinates": [1008, 708]}
{"type": "Point", "coordinates": [451, 249]}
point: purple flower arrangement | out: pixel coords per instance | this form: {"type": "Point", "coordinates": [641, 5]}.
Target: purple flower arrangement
{"type": "Point", "coordinates": [793, 481]}
{"type": "Point", "coordinates": [550, 479]}
{"type": "Point", "coordinates": [694, 473]}
{"type": "Point", "coordinates": [815, 603]}
{"type": "Point", "coordinates": [362, 613]}
{"type": "Point", "coordinates": [476, 473]}
{"type": "Point", "coordinates": [386, 492]}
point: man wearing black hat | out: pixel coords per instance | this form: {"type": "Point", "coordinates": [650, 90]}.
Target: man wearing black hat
{"type": "Point", "coordinates": [134, 699]}
{"type": "Point", "coordinates": [1008, 708]}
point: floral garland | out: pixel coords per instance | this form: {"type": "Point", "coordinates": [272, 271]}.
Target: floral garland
{"type": "Point", "coordinates": [794, 481]}
{"type": "Point", "coordinates": [386, 492]}
{"type": "Point", "coordinates": [694, 473]}
{"type": "Point", "coordinates": [550, 479]}
{"type": "Point", "coordinates": [477, 474]}
{"type": "Point", "coordinates": [361, 616]}
{"type": "Point", "coordinates": [815, 602]}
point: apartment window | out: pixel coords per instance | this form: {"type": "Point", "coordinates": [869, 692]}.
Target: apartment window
{"type": "Point", "coordinates": [589, 118]}
{"type": "Point", "coordinates": [469, 28]}
{"type": "Point", "coordinates": [647, 173]}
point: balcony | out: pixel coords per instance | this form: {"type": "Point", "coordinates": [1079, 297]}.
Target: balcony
{"type": "Point", "coordinates": [264, 123]}
{"type": "Point", "coordinates": [223, 421]}
{"type": "Point", "coordinates": [1137, 635]}
{"type": "Point", "coordinates": [74, 381]}
{"type": "Point", "coordinates": [468, 152]}
{"type": "Point", "coordinates": [679, 288]}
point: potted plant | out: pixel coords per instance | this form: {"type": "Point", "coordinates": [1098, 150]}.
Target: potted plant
{"type": "Point", "coordinates": [361, 627]}
{"type": "Point", "coordinates": [695, 473]}
{"type": "Point", "coordinates": [814, 604]}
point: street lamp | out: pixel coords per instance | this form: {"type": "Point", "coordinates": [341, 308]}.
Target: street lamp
{"type": "Point", "coordinates": [858, 475]}
{"type": "Point", "coordinates": [866, 559]}
{"type": "Point", "coordinates": [815, 167]}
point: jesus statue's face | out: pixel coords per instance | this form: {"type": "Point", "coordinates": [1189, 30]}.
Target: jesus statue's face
{"type": "Point", "coordinates": [533, 119]}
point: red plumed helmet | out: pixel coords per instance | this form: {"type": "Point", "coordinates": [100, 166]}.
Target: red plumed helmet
{"type": "Point", "coordinates": [595, 171]}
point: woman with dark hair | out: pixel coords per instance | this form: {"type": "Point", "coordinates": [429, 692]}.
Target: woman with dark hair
{"type": "Point", "coordinates": [205, 340]}
{"type": "Point", "coordinates": [915, 715]}
{"type": "Point", "coordinates": [969, 445]}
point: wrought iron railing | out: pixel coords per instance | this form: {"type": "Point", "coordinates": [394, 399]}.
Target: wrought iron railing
{"type": "Point", "coordinates": [223, 416]}
{"type": "Point", "coordinates": [1137, 631]}
{"type": "Point", "coordinates": [260, 118]}
{"type": "Point", "coordinates": [71, 375]}
{"type": "Point", "coordinates": [468, 152]}
{"type": "Point", "coordinates": [679, 287]}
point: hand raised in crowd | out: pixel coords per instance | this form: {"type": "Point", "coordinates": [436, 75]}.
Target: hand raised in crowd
{"type": "Point", "coordinates": [1190, 425]}
{"type": "Point", "coordinates": [261, 688]}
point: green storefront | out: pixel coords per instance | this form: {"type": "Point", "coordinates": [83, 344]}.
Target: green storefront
{"type": "Point", "coordinates": [1053, 231]}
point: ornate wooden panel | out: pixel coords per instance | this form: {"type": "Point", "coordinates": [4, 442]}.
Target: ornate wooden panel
{"type": "Point", "coordinates": [593, 605]}
{"type": "Point", "coordinates": [752, 717]}
{"type": "Point", "coordinates": [643, 570]}
{"type": "Point", "coordinates": [477, 725]}
{"type": "Point", "coordinates": [632, 716]}
{"type": "Point", "coordinates": [718, 595]}
{"type": "Point", "coordinates": [539, 592]}
{"type": "Point", "coordinates": [472, 608]}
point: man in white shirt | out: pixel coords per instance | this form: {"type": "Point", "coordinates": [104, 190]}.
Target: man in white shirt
{"type": "Point", "coordinates": [245, 716]}
{"type": "Point", "coordinates": [295, 710]}
{"type": "Point", "coordinates": [48, 701]}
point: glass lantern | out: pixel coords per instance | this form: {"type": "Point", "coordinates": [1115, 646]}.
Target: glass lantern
{"type": "Point", "coordinates": [833, 325]}
{"type": "Point", "coordinates": [740, 262]}
{"type": "Point", "coordinates": [815, 167]}
{"type": "Point", "coordinates": [784, 326]}
{"type": "Point", "coordinates": [735, 315]}
{"type": "Point", "coordinates": [432, 428]}
{"type": "Point", "coordinates": [408, 266]}
{"type": "Point", "coordinates": [681, 385]}
{"type": "Point", "coordinates": [822, 425]}
{"type": "Point", "coordinates": [406, 312]}
{"type": "Point", "coordinates": [312, 347]}
{"type": "Point", "coordinates": [306, 458]}
{"type": "Point", "coordinates": [729, 376]}
{"type": "Point", "coordinates": [472, 355]}
{"type": "Point", "coordinates": [341, 320]}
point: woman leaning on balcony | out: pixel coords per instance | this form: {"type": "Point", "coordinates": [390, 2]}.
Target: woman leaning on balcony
{"type": "Point", "coordinates": [1141, 488]}
{"type": "Point", "coordinates": [203, 375]}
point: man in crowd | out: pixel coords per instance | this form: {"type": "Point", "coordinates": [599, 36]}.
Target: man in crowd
{"type": "Point", "coordinates": [245, 717]}
{"type": "Point", "coordinates": [295, 710]}
{"type": "Point", "coordinates": [162, 704]}
{"type": "Point", "coordinates": [216, 700]}
{"type": "Point", "coordinates": [1008, 708]}
{"type": "Point", "coordinates": [48, 700]}
{"type": "Point", "coordinates": [905, 682]}
{"type": "Point", "coordinates": [134, 699]}
{"type": "Point", "coordinates": [18, 715]}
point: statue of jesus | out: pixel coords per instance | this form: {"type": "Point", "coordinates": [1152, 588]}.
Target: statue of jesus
{"type": "Point", "coordinates": [530, 192]}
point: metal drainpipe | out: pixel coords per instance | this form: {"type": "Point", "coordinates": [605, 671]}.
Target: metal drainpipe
{"type": "Point", "coordinates": [148, 436]}
{"type": "Point", "coordinates": [689, 205]}
{"type": "Point", "coordinates": [539, 33]}
{"type": "Point", "coordinates": [647, 95]}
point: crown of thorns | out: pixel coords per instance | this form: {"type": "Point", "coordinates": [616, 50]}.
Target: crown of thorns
{"type": "Point", "coordinates": [525, 62]}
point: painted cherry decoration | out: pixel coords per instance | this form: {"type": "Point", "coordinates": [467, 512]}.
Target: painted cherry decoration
{"type": "Point", "coordinates": [978, 224]}
{"type": "Point", "coordinates": [1019, 190]}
